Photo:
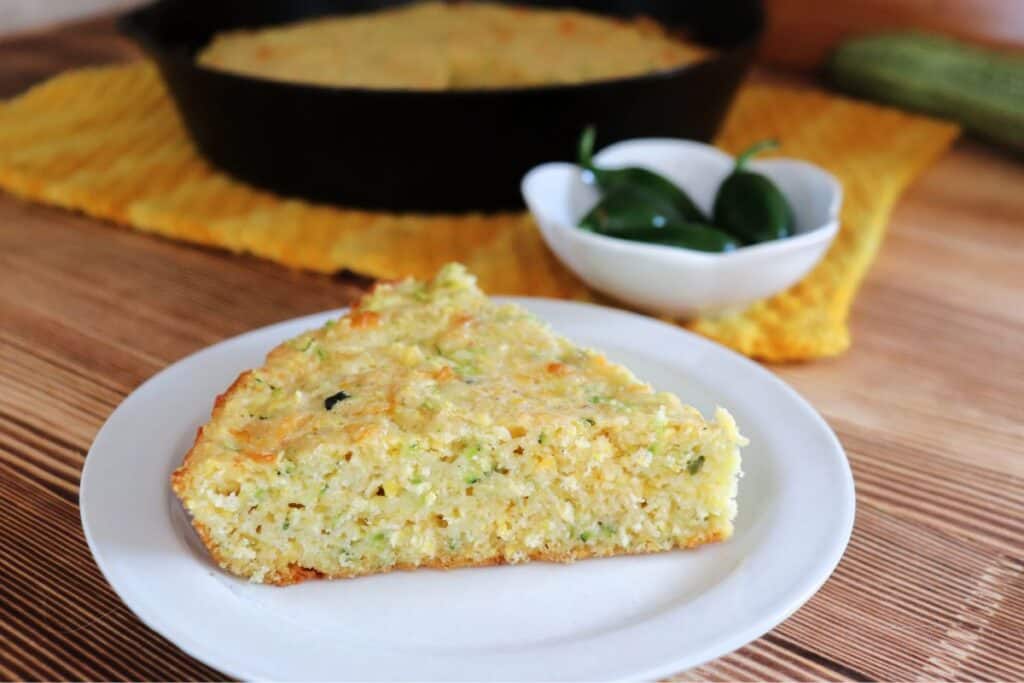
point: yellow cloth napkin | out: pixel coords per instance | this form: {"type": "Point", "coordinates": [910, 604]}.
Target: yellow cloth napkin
{"type": "Point", "coordinates": [108, 142]}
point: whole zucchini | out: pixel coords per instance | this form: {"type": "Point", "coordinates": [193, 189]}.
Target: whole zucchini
{"type": "Point", "coordinates": [981, 89]}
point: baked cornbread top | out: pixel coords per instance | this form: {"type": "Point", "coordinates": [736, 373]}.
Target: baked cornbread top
{"type": "Point", "coordinates": [439, 46]}
{"type": "Point", "coordinates": [419, 361]}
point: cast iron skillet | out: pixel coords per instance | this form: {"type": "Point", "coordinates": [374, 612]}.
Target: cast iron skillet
{"type": "Point", "coordinates": [408, 150]}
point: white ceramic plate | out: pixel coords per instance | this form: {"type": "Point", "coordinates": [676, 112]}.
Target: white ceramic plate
{"type": "Point", "coordinates": [626, 617]}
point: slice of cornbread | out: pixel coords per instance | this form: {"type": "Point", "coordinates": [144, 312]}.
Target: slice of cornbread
{"type": "Point", "coordinates": [431, 427]}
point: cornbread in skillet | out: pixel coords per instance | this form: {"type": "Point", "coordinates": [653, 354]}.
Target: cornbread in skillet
{"type": "Point", "coordinates": [441, 46]}
{"type": "Point", "coordinates": [431, 427]}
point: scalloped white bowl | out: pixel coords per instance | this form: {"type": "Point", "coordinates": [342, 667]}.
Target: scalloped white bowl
{"type": "Point", "coordinates": [670, 280]}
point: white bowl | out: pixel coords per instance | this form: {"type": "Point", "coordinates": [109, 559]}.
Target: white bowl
{"type": "Point", "coordinates": [671, 280]}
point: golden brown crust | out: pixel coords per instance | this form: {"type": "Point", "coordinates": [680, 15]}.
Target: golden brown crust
{"type": "Point", "coordinates": [204, 536]}
{"type": "Point", "coordinates": [179, 475]}
{"type": "Point", "coordinates": [296, 574]}
{"type": "Point", "coordinates": [222, 398]}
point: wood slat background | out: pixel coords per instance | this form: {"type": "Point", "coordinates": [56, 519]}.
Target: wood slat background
{"type": "Point", "coordinates": [929, 404]}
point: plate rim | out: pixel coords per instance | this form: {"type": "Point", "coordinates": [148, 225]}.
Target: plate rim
{"type": "Point", "coordinates": [809, 586]}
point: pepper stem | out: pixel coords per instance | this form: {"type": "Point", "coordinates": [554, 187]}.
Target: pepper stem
{"type": "Point", "coordinates": [586, 147]}
{"type": "Point", "coordinates": [753, 150]}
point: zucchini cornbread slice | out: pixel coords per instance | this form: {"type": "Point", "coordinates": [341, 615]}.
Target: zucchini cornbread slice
{"type": "Point", "coordinates": [431, 427]}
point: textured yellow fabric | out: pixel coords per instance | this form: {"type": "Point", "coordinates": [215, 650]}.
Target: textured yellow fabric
{"type": "Point", "coordinates": [108, 142]}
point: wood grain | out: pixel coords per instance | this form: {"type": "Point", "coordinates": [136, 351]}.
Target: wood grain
{"type": "Point", "coordinates": [927, 403]}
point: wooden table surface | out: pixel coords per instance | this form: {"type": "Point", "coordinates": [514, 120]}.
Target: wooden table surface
{"type": "Point", "coordinates": [929, 404]}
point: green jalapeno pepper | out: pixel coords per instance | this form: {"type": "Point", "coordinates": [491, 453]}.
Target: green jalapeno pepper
{"type": "Point", "coordinates": [611, 179]}
{"type": "Point", "coordinates": [628, 207]}
{"type": "Point", "coordinates": [686, 235]}
{"type": "Point", "coordinates": [749, 205]}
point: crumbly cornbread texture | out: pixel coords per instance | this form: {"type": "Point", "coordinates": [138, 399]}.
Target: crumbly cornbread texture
{"type": "Point", "coordinates": [433, 427]}
{"type": "Point", "coordinates": [440, 46]}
